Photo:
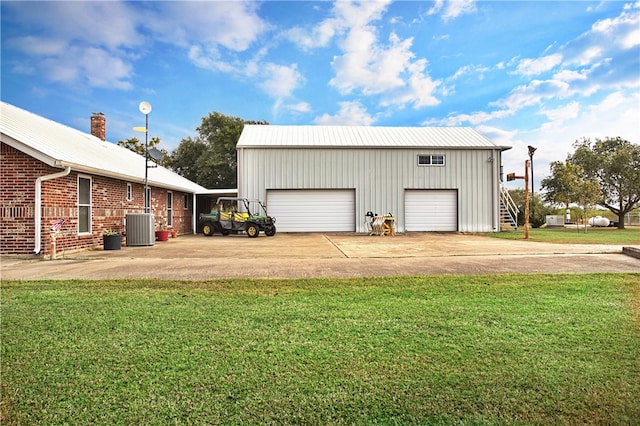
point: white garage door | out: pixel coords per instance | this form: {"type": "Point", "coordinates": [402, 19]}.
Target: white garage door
{"type": "Point", "coordinates": [431, 210]}
{"type": "Point", "coordinates": [312, 210]}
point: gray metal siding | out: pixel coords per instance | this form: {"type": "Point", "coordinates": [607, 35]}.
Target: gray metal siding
{"type": "Point", "coordinates": [379, 177]}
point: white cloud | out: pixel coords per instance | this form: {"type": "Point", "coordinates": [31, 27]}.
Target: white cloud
{"type": "Point", "coordinates": [300, 107]}
{"type": "Point", "coordinates": [563, 113]}
{"type": "Point", "coordinates": [234, 25]}
{"type": "Point", "coordinates": [209, 60]}
{"type": "Point", "coordinates": [87, 41]}
{"type": "Point", "coordinates": [436, 7]}
{"type": "Point", "coordinates": [624, 29]}
{"type": "Point", "coordinates": [533, 94]}
{"type": "Point", "coordinates": [419, 91]}
{"type": "Point", "coordinates": [592, 64]}
{"type": "Point", "coordinates": [78, 42]}
{"type": "Point", "coordinates": [277, 81]}
{"type": "Point", "coordinates": [558, 116]}
{"type": "Point", "coordinates": [498, 136]}
{"type": "Point", "coordinates": [38, 46]}
{"type": "Point", "coordinates": [456, 8]}
{"type": "Point", "coordinates": [108, 24]}
{"type": "Point", "coordinates": [104, 70]}
{"type": "Point", "coordinates": [615, 115]}
{"type": "Point", "coordinates": [607, 38]}
{"type": "Point", "coordinates": [319, 36]}
{"type": "Point", "coordinates": [476, 70]}
{"type": "Point", "coordinates": [389, 71]}
{"type": "Point", "coordinates": [452, 9]}
{"type": "Point", "coordinates": [95, 66]}
{"type": "Point", "coordinates": [473, 118]}
{"type": "Point", "coordinates": [569, 75]}
{"type": "Point", "coordinates": [538, 65]}
{"type": "Point", "coordinates": [280, 81]}
{"type": "Point", "coordinates": [369, 67]}
{"type": "Point", "coordinates": [350, 114]}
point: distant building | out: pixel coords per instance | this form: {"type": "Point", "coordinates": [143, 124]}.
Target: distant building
{"type": "Point", "coordinates": [50, 172]}
{"type": "Point", "coordinates": [326, 178]}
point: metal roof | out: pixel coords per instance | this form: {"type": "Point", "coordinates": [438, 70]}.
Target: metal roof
{"type": "Point", "coordinates": [60, 146]}
{"type": "Point", "coordinates": [269, 136]}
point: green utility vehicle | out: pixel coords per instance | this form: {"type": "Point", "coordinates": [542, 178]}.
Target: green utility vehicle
{"type": "Point", "coordinates": [235, 215]}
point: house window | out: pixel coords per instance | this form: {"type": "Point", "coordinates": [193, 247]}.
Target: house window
{"type": "Point", "coordinates": [431, 160]}
{"type": "Point", "coordinates": [185, 201]}
{"type": "Point", "coordinates": [84, 205]}
{"type": "Point", "coordinates": [129, 192]}
{"type": "Point", "coordinates": [169, 208]}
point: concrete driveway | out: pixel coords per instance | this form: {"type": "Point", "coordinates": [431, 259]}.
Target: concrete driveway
{"type": "Point", "coordinates": [195, 257]}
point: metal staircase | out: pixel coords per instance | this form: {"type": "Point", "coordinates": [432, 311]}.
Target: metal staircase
{"type": "Point", "coordinates": [508, 211]}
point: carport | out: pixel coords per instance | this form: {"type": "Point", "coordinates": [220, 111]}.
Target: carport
{"type": "Point", "coordinates": [207, 199]}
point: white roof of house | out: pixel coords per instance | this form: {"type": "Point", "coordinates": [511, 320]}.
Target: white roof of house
{"type": "Point", "coordinates": [269, 136]}
{"type": "Point", "coordinates": [60, 146]}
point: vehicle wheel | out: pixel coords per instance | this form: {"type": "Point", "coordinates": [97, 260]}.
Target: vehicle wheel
{"type": "Point", "coordinates": [252, 230]}
{"type": "Point", "coordinates": [270, 231]}
{"type": "Point", "coordinates": [207, 229]}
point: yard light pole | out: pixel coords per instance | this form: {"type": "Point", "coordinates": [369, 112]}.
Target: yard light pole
{"type": "Point", "coordinates": [532, 150]}
{"type": "Point", "coordinates": [512, 176]}
{"type": "Point", "coordinates": [145, 108]}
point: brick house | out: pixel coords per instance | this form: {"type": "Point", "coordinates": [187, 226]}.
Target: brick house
{"type": "Point", "coordinates": [49, 171]}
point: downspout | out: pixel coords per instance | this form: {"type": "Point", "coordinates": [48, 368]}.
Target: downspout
{"type": "Point", "coordinates": [496, 184]}
{"type": "Point", "coordinates": [494, 219]}
{"type": "Point", "coordinates": [194, 219]}
{"type": "Point", "coordinates": [38, 207]}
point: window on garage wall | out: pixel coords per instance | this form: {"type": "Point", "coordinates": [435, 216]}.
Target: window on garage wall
{"type": "Point", "coordinates": [84, 205]}
{"type": "Point", "coordinates": [431, 160]}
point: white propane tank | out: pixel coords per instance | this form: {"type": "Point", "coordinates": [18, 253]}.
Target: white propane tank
{"type": "Point", "coordinates": [599, 221]}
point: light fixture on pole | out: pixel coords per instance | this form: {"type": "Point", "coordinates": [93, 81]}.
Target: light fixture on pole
{"type": "Point", "coordinates": [145, 108]}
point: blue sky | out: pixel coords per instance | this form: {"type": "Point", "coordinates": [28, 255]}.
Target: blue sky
{"type": "Point", "coordinates": [541, 73]}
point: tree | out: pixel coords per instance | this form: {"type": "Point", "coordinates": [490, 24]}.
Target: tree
{"type": "Point", "coordinates": [569, 183]}
{"type": "Point", "coordinates": [185, 158]}
{"type": "Point", "coordinates": [615, 164]}
{"type": "Point", "coordinates": [134, 144]}
{"type": "Point", "coordinates": [587, 193]}
{"type": "Point", "coordinates": [536, 205]}
{"type": "Point", "coordinates": [210, 159]}
{"type": "Point", "coordinates": [558, 186]}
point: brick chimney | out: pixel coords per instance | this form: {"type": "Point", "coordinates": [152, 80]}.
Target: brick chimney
{"type": "Point", "coordinates": [99, 125]}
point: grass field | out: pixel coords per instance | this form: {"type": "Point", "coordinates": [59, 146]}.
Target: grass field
{"type": "Point", "coordinates": [628, 236]}
{"type": "Point", "coordinates": [505, 349]}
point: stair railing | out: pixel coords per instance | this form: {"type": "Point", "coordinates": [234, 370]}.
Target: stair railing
{"type": "Point", "coordinates": [510, 206]}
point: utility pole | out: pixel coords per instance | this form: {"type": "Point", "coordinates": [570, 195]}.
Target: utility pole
{"type": "Point", "coordinates": [512, 176]}
{"type": "Point", "coordinates": [532, 150]}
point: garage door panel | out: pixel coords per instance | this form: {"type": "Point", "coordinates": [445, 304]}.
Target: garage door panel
{"type": "Point", "coordinates": [431, 210]}
{"type": "Point", "coordinates": [312, 210]}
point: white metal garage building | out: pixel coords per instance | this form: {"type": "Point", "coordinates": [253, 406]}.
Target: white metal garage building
{"type": "Point", "coordinates": [326, 178]}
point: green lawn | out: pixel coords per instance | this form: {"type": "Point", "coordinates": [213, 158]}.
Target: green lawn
{"type": "Point", "coordinates": [505, 349]}
{"type": "Point", "coordinates": [628, 236]}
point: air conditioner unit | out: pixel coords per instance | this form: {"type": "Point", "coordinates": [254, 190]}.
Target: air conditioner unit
{"type": "Point", "coordinates": [140, 229]}
{"type": "Point", "coordinates": [555, 220]}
